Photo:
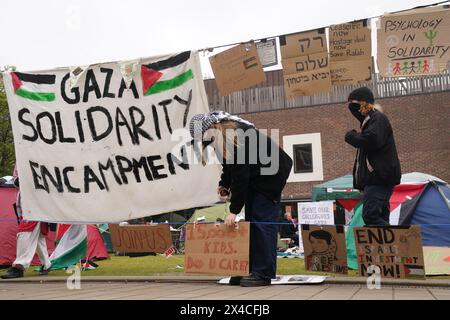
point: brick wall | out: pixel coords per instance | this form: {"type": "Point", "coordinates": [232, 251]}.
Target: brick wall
{"type": "Point", "coordinates": [421, 126]}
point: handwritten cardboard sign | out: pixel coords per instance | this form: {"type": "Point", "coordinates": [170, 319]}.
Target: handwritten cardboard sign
{"type": "Point", "coordinates": [320, 212]}
{"type": "Point", "coordinates": [303, 43]}
{"type": "Point", "coordinates": [325, 248]}
{"type": "Point", "coordinates": [437, 260]}
{"type": "Point", "coordinates": [141, 238]}
{"type": "Point", "coordinates": [350, 72]}
{"type": "Point", "coordinates": [397, 251]}
{"type": "Point", "coordinates": [237, 68]}
{"type": "Point", "coordinates": [417, 43]}
{"type": "Point", "coordinates": [306, 69]}
{"type": "Point", "coordinates": [350, 53]}
{"type": "Point", "coordinates": [217, 249]}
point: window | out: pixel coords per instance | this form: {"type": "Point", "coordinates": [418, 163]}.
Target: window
{"type": "Point", "coordinates": [306, 152]}
{"type": "Point", "coordinates": [303, 159]}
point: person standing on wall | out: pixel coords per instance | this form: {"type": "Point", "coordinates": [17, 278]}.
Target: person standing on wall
{"type": "Point", "coordinates": [377, 168]}
{"type": "Point", "coordinates": [251, 181]}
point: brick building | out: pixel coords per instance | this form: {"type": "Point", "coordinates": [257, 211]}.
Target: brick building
{"type": "Point", "coordinates": [420, 116]}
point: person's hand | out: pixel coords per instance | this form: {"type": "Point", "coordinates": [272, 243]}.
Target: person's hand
{"type": "Point", "coordinates": [230, 220]}
{"type": "Point", "coordinates": [223, 193]}
{"type": "Point", "coordinates": [350, 134]}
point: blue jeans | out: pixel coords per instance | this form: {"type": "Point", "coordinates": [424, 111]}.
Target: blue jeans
{"type": "Point", "coordinates": [376, 209]}
{"type": "Point", "coordinates": [263, 237]}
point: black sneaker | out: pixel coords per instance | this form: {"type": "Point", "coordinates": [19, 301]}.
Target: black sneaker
{"type": "Point", "coordinates": [13, 273]}
{"type": "Point", "coordinates": [235, 281]}
{"type": "Point", "coordinates": [252, 281]}
{"type": "Point", "coordinates": [44, 272]}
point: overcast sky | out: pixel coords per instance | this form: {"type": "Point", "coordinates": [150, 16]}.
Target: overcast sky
{"type": "Point", "coordinates": [45, 34]}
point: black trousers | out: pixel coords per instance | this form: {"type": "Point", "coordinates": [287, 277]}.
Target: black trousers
{"type": "Point", "coordinates": [376, 209]}
{"type": "Point", "coordinates": [263, 236]}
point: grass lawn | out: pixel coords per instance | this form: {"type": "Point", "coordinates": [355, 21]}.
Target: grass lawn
{"type": "Point", "coordinates": [160, 265]}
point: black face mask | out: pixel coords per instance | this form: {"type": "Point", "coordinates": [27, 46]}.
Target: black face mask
{"type": "Point", "coordinates": [354, 109]}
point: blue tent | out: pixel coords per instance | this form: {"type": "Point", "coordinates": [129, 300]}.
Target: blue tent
{"type": "Point", "coordinates": [431, 210]}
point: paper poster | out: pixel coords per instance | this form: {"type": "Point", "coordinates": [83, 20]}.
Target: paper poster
{"type": "Point", "coordinates": [325, 248]}
{"type": "Point", "coordinates": [395, 251]}
{"type": "Point", "coordinates": [350, 53]}
{"type": "Point", "coordinates": [321, 213]}
{"type": "Point", "coordinates": [267, 51]}
{"type": "Point", "coordinates": [141, 238]}
{"type": "Point", "coordinates": [306, 69]}
{"type": "Point", "coordinates": [414, 43]}
{"type": "Point", "coordinates": [104, 151]}
{"type": "Point", "coordinates": [237, 68]}
{"type": "Point", "coordinates": [217, 249]}
{"type": "Point", "coordinates": [437, 260]}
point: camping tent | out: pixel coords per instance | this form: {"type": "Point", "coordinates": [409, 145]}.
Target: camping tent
{"type": "Point", "coordinates": [9, 227]}
{"type": "Point", "coordinates": [431, 209]}
{"type": "Point", "coordinates": [341, 190]}
{"type": "Point", "coordinates": [419, 199]}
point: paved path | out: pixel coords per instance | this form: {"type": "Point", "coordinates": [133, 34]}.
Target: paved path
{"type": "Point", "coordinates": [212, 291]}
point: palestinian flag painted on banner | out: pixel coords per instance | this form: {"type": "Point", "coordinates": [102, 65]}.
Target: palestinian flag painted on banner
{"type": "Point", "coordinates": [166, 74]}
{"type": "Point", "coordinates": [72, 246]}
{"type": "Point", "coordinates": [35, 87]}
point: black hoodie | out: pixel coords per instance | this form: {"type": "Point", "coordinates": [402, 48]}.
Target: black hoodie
{"type": "Point", "coordinates": [376, 161]}
{"type": "Point", "coordinates": [246, 177]}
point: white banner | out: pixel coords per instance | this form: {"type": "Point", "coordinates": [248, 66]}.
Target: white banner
{"type": "Point", "coordinates": [106, 151]}
{"type": "Point", "coordinates": [316, 213]}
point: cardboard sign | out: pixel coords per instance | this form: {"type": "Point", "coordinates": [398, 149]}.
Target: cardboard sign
{"type": "Point", "coordinates": [307, 83]}
{"type": "Point", "coordinates": [96, 150]}
{"type": "Point", "coordinates": [141, 238]}
{"type": "Point", "coordinates": [397, 251]}
{"type": "Point", "coordinates": [417, 43]}
{"type": "Point", "coordinates": [350, 41]}
{"type": "Point", "coordinates": [325, 249]}
{"type": "Point", "coordinates": [303, 43]}
{"type": "Point", "coordinates": [349, 72]}
{"type": "Point", "coordinates": [306, 68]}
{"type": "Point", "coordinates": [320, 213]}
{"type": "Point", "coordinates": [437, 260]}
{"type": "Point", "coordinates": [237, 68]}
{"type": "Point", "coordinates": [267, 52]}
{"type": "Point", "coordinates": [350, 53]}
{"type": "Point", "coordinates": [217, 249]}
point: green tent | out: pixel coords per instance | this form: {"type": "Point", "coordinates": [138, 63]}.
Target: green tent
{"type": "Point", "coordinates": [212, 214]}
{"type": "Point", "coordinates": [357, 221]}
{"type": "Point", "coordinates": [340, 188]}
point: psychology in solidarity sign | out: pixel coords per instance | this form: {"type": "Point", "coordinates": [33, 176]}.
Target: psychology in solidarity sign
{"type": "Point", "coordinates": [414, 43]}
{"type": "Point", "coordinates": [110, 142]}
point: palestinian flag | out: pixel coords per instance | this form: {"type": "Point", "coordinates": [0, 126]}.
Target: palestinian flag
{"type": "Point", "coordinates": [72, 246]}
{"type": "Point", "coordinates": [35, 87]}
{"type": "Point", "coordinates": [166, 74]}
